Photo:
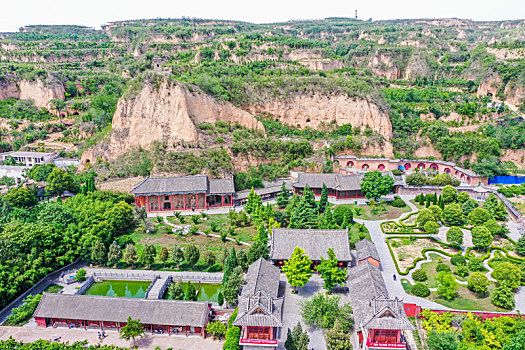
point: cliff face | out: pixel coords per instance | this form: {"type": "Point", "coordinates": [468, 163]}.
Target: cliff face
{"type": "Point", "coordinates": [34, 90]}
{"type": "Point", "coordinates": [165, 113]}
{"type": "Point", "coordinates": [315, 110]}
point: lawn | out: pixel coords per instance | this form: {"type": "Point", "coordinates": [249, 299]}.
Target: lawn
{"type": "Point", "coordinates": [467, 300]}
{"type": "Point", "coordinates": [430, 269]}
{"type": "Point", "coordinates": [407, 250]}
{"type": "Point", "coordinates": [413, 201]}
{"type": "Point", "coordinates": [383, 212]}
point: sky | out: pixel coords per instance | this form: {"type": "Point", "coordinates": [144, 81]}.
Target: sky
{"type": "Point", "coordinates": [94, 13]}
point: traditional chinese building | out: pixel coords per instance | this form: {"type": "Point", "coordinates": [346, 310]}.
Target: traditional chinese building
{"type": "Point", "coordinates": [183, 193]}
{"type": "Point", "coordinates": [366, 251]}
{"type": "Point", "coordinates": [260, 307]}
{"type": "Point", "coordinates": [315, 243]}
{"type": "Point", "coordinates": [110, 313]}
{"type": "Point", "coordinates": [379, 320]}
{"type": "Point", "coordinates": [338, 185]}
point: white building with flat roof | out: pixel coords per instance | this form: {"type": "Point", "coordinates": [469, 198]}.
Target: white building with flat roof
{"type": "Point", "coordinates": [29, 158]}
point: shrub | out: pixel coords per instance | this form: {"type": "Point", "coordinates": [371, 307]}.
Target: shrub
{"type": "Point", "coordinates": [481, 237]}
{"type": "Point", "coordinates": [420, 290]}
{"type": "Point", "coordinates": [81, 275]}
{"type": "Point", "coordinates": [453, 214]}
{"type": "Point", "coordinates": [478, 283]}
{"type": "Point", "coordinates": [503, 297]}
{"type": "Point", "coordinates": [397, 172]}
{"type": "Point", "coordinates": [507, 273]}
{"type": "Point", "coordinates": [461, 271]}
{"type": "Point", "coordinates": [479, 216]}
{"type": "Point", "coordinates": [520, 246]}
{"type": "Point", "coordinates": [475, 264]}
{"type": "Point", "coordinates": [431, 227]}
{"type": "Point", "coordinates": [455, 236]}
{"type": "Point", "coordinates": [442, 267]}
{"type": "Point", "coordinates": [398, 202]}
{"type": "Point", "coordinates": [419, 275]}
{"type": "Point", "coordinates": [423, 217]}
{"type": "Point", "coordinates": [458, 259]}
{"type": "Point", "coordinates": [341, 212]}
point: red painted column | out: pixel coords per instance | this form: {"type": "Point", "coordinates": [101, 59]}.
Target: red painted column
{"type": "Point", "coordinates": [197, 200]}
{"type": "Point", "coordinates": [222, 199]}
{"type": "Point", "coordinates": [160, 206]}
{"type": "Point", "coordinates": [184, 198]}
{"type": "Point", "coordinates": [231, 200]}
{"type": "Point", "coordinates": [147, 203]}
{"type": "Point", "coordinates": [205, 201]}
{"type": "Point", "coordinates": [171, 201]}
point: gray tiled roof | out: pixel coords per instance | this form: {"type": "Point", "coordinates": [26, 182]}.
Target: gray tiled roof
{"type": "Point", "coordinates": [366, 249]}
{"type": "Point", "coordinates": [167, 185]}
{"type": "Point", "coordinates": [315, 243]}
{"type": "Point", "coordinates": [112, 309]}
{"type": "Point", "coordinates": [259, 304]}
{"type": "Point", "coordinates": [370, 300]}
{"type": "Point", "coordinates": [221, 186]}
{"type": "Point", "coordinates": [334, 181]}
{"type": "Point", "coordinates": [275, 188]}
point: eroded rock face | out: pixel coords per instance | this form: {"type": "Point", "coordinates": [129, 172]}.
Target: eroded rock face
{"type": "Point", "coordinates": [37, 91]}
{"type": "Point", "coordinates": [165, 113]}
{"type": "Point", "coordinates": [314, 110]}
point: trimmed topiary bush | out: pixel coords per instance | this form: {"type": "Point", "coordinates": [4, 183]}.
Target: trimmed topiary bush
{"type": "Point", "coordinates": [420, 290]}
{"type": "Point", "coordinates": [398, 202]}
{"type": "Point", "coordinates": [419, 275]}
{"type": "Point", "coordinates": [442, 267]}
{"type": "Point", "coordinates": [458, 259]}
{"type": "Point", "coordinates": [431, 227]}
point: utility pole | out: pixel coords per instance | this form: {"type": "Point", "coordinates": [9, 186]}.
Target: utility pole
{"type": "Point", "coordinates": [355, 14]}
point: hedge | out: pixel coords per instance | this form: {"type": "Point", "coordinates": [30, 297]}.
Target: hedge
{"type": "Point", "coordinates": [423, 252]}
{"type": "Point", "coordinates": [401, 223]}
{"type": "Point", "coordinates": [406, 232]}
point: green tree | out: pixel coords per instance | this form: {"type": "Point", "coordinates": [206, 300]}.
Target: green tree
{"type": "Point", "coordinates": [431, 227]}
{"type": "Point", "coordinates": [455, 236]}
{"type": "Point", "coordinates": [463, 197]}
{"type": "Point", "coordinates": [257, 250]}
{"type": "Point", "coordinates": [59, 181]}
{"type": "Point", "coordinates": [478, 283]}
{"type": "Point", "coordinates": [450, 194]}
{"type": "Point", "coordinates": [337, 338]}
{"type": "Point", "coordinates": [481, 237]}
{"type": "Point", "coordinates": [253, 202]}
{"type": "Point", "coordinates": [329, 271]}
{"type": "Point", "coordinates": [130, 255]}
{"type": "Point", "coordinates": [297, 339]}
{"type": "Point", "coordinates": [191, 292]}
{"type": "Point", "coordinates": [131, 330]}
{"type": "Point", "coordinates": [436, 211]}
{"type": "Point", "coordinates": [496, 208]}
{"type": "Point", "coordinates": [341, 213]}
{"type": "Point", "coordinates": [20, 197]}
{"type": "Point", "coordinates": [230, 288]}
{"type": "Point", "coordinates": [147, 257]}
{"type": "Point", "coordinates": [209, 259]}
{"type": "Point", "coordinates": [230, 264]}
{"type": "Point", "coordinates": [305, 214]}
{"type": "Point", "coordinates": [58, 106]}
{"type": "Point", "coordinates": [503, 297]}
{"type": "Point", "coordinates": [191, 255]}
{"type": "Point", "coordinates": [442, 341]}
{"type": "Point", "coordinates": [508, 274]}
{"type": "Point", "coordinates": [80, 275]}
{"type": "Point", "coordinates": [176, 291]}
{"type": "Point", "coordinates": [114, 254]}
{"type": "Point", "coordinates": [424, 216]}
{"type": "Point", "coordinates": [520, 246]}
{"type": "Point", "coordinates": [420, 290]}
{"type": "Point", "coordinates": [375, 184]}
{"type": "Point", "coordinates": [479, 216]}
{"type": "Point", "coordinates": [323, 201]}
{"type": "Point", "coordinates": [217, 329]}
{"type": "Point", "coordinates": [469, 206]}
{"type": "Point", "coordinates": [323, 310]}
{"type": "Point", "coordinates": [163, 255]}
{"type": "Point", "coordinates": [298, 269]}
{"type": "Point", "coordinates": [98, 253]}
{"type": "Point", "coordinates": [283, 198]}
{"type": "Point", "coordinates": [453, 215]}
{"type": "Point", "coordinates": [177, 255]}
{"type": "Point", "coordinates": [447, 285]}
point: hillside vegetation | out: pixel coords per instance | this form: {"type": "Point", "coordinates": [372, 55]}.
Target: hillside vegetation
{"type": "Point", "coordinates": [412, 88]}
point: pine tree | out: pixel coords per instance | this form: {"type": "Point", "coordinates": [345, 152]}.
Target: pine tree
{"type": "Point", "coordinates": [427, 203]}
{"type": "Point", "coordinates": [329, 219]}
{"type": "Point", "coordinates": [114, 254]}
{"type": "Point", "coordinates": [305, 214]}
{"type": "Point", "coordinates": [421, 199]}
{"type": "Point", "coordinates": [98, 253]}
{"type": "Point", "coordinates": [262, 233]}
{"type": "Point", "coordinates": [298, 269]}
{"type": "Point", "coordinates": [130, 254]}
{"type": "Point", "coordinates": [254, 202]}
{"type": "Point", "coordinates": [323, 202]}
{"type": "Point", "coordinates": [257, 250]}
{"type": "Point", "coordinates": [230, 263]}
{"type": "Point", "coordinates": [163, 255]}
{"type": "Point", "coordinates": [338, 338]}
{"type": "Point", "coordinates": [434, 199]}
{"type": "Point", "coordinates": [191, 292]}
{"type": "Point", "coordinates": [283, 198]}
{"type": "Point", "coordinates": [176, 290]}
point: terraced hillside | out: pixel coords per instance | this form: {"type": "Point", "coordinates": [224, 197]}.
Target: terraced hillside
{"type": "Point", "coordinates": [234, 97]}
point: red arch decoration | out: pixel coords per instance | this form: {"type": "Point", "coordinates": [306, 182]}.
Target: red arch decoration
{"type": "Point", "coordinates": [421, 166]}
{"type": "Point", "coordinates": [336, 163]}
{"type": "Point", "coordinates": [434, 166]}
{"type": "Point", "coordinates": [469, 180]}
{"type": "Point", "coordinates": [462, 176]}
{"type": "Point", "coordinates": [349, 164]}
{"type": "Point", "coordinates": [447, 171]}
{"type": "Point", "coordinates": [407, 166]}
{"type": "Point", "coordinates": [365, 167]}
{"type": "Point", "coordinates": [381, 167]}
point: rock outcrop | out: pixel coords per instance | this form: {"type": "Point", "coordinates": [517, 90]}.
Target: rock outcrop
{"type": "Point", "coordinates": [38, 91]}
{"type": "Point", "coordinates": [316, 110]}
{"type": "Point", "coordinates": [166, 112]}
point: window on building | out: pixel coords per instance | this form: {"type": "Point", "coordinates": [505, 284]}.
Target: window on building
{"type": "Point", "coordinates": [385, 336]}
{"type": "Point", "coordinates": [259, 333]}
